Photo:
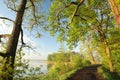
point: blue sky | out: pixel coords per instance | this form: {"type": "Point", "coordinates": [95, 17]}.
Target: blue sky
{"type": "Point", "coordinates": [45, 45]}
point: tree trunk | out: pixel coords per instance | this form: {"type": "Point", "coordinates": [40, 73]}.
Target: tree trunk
{"type": "Point", "coordinates": [107, 49]}
{"type": "Point", "coordinates": [92, 59]}
{"type": "Point", "coordinates": [108, 56]}
{"type": "Point", "coordinates": [8, 62]}
{"type": "Point", "coordinates": [116, 12]}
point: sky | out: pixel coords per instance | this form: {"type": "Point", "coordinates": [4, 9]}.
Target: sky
{"type": "Point", "coordinates": [44, 45]}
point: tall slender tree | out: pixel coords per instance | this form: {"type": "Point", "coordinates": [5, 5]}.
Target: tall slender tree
{"type": "Point", "coordinates": [20, 7]}
{"type": "Point", "coordinates": [9, 57]}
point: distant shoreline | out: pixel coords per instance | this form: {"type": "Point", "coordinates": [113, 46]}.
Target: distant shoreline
{"type": "Point", "coordinates": [36, 63]}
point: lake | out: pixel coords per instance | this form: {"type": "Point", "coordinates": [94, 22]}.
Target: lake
{"type": "Point", "coordinates": [38, 63]}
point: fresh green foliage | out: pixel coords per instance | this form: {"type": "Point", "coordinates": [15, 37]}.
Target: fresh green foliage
{"type": "Point", "coordinates": [114, 44]}
{"type": "Point", "coordinates": [92, 21]}
{"type": "Point", "coordinates": [64, 64]}
{"type": "Point", "coordinates": [73, 29]}
{"type": "Point", "coordinates": [85, 24]}
{"type": "Point", "coordinates": [22, 70]}
{"type": "Point", "coordinates": [108, 75]}
{"type": "Point", "coordinates": [118, 1]}
{"type": "Point", "coordinates": [21, 66]}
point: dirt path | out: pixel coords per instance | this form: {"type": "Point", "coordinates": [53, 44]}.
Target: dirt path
{"type": "Point", "coordinates": [87, 73]}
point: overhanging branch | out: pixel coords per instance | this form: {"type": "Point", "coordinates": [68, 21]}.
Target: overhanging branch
{"type": "Point", "coordinates": [7, 19]}
{"type": "Point", "coordinates": [62, 9]}
{"type": "Point", "coordinates": [66, 6]}
{"type": "Point", "coordinates": [2, 54]}
{"type": "Point", "coordinates": [13, 9]}
{"type": "Point", "coordinates": [75, 3]}
{"type": "Point", "coordinates": [75, 12]}
{"type": "Point", "coordinates": [33, 8]}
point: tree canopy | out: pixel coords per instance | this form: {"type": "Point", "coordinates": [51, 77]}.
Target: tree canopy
{"type": "Point", "coordinates": [74, 21]}
{"type": "Point", "coordinates": [88, 22]}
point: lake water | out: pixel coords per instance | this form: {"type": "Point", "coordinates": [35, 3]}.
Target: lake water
{"type": "Point", "coordinates": [38, 63]}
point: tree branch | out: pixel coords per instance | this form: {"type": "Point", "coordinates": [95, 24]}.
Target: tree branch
{"type": "Point", "coordinates": [66, 6]}
{"type": "Point", "coordinates": [75, 3]}
{"type": "Point", "coordinates": [13, 9]}
{"type": "Point", "coordinates": [75, 12]}
{"type": "Point", "coordinates": [2, 54]}
{"type": "Point", "coordinates": [33, 8]}
{"type": "Point", "coordinates": [22, 41]}
{"type": "Point", "coordinates": [28, 7]}
{"type": "Point", "coordinates": [81, 17]}
{"type": "Point", "coordinates": [7, 19]}
{"type": "Point", "coordinates": [4, 36]}
{"type": "Point", "coordinates": [29, 46]}
{"type": "Point", "coordinates": [63, 9]}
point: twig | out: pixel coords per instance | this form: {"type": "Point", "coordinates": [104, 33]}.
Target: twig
{"type": "Point", "coordinates": [28, 7]}
{"type": "Point", "coordinates": [30, 47]}
{"type": "Point", "coordinates": [75, 3]}
{"type": "Point", "coordinates": [81, 17]}
{"type": "Point", "coordinates": [63, 9]}
{"type": "Point", "coordinates": [11, 7]}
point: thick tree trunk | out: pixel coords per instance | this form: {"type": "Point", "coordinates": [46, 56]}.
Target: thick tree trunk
{"type": "Point", "coordinates": [116, 11]}
{"type": "Point", "coordinates": [8, 62]}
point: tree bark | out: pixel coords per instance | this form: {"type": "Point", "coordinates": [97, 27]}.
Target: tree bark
{"type": "Point", "coordinates": [107, 49]}
{"type": "Point", "coordinates": [8, 62]}
{"type": "Point", "coordinates": [108, 56]}
{"type": "Point", "coordinates": [116, 12]}
{"type": "Point", "coordinates": [92, 59]}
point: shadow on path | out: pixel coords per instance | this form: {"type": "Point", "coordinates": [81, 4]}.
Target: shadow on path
{"type": "Point", "coordinates": [87, 73]}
